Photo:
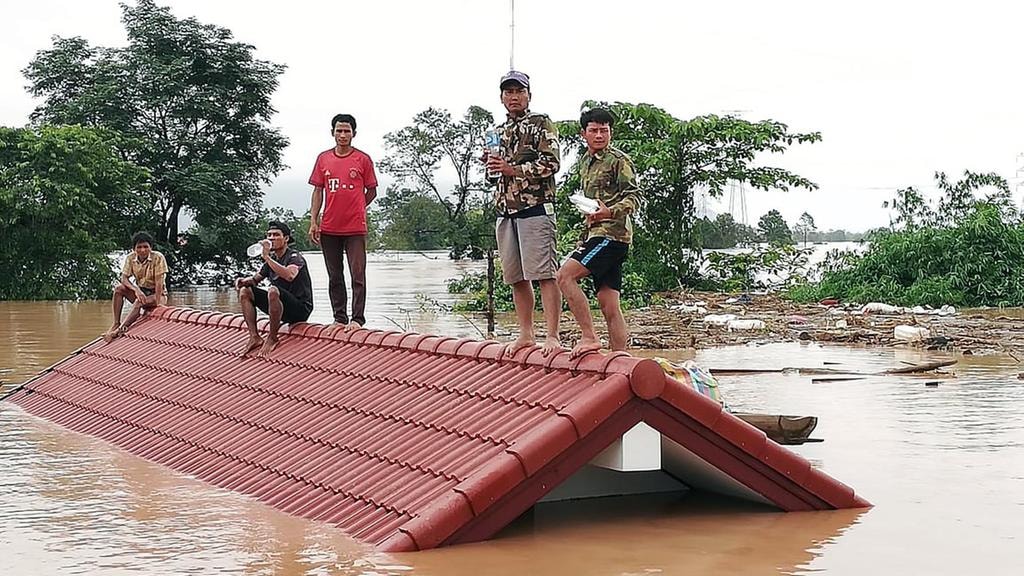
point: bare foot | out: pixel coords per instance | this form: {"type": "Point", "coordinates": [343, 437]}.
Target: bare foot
{"type": "Point", "coordinates": [353, 326]}
{"type": "Point", "coordinates": [109, 335]}
{"type": "Point", "coordinates": [584, 346]}
{"type": "Point", "coordinates": [268, 346]}
{"type": "Point", "coordinates": [253, 343]}
{"type": "Point", "coordinates": [551, 346]}
{"type": "Point", "coordinates": [518, 345]}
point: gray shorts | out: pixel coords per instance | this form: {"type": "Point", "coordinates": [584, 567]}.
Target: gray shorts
{"type": "Point", "coordinates": [526, 247]}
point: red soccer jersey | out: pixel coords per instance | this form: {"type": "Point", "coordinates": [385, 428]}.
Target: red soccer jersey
{"type": "Point", "coordinates": [344, 180]}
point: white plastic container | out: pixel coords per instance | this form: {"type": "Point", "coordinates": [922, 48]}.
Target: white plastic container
{"type": "Point", "coordinates": [744, 325]}
{"type": "Point", "coordinates": [255, 249]}
{"type": "Point", "coordinates": [906, 333]}
{"type": "Point", "coordinates": [719, 319]}
{"type": "Point", "coordinates": [881, 308]}
{"type": "Point", "coordinates": [584, 204]}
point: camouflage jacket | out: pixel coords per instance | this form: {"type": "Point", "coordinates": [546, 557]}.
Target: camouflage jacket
{"type": "Point", "coordinates": [530, 144]}
{"type": "Point", "coordinates": [608, 176]}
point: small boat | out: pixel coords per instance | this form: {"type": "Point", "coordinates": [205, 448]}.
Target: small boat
{"type": "Point", "coordinates": [787, 430]}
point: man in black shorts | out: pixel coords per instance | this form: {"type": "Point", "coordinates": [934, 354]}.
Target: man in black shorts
{"type": "Point", "coordinates": [606, 175]}
{"type": "Point", "coordinates": [290, 296]}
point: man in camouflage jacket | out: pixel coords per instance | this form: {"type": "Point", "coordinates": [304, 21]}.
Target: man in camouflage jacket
{"type": "Point", "coordinates": [606, 175]}
{"type": "Point", "coordinates": [524, 174]}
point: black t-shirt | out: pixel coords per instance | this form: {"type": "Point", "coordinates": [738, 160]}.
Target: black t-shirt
{"type": "Point", "coordinates": [301, 287]}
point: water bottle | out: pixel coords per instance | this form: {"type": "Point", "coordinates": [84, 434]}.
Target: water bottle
{"type": "Point", "coordinates": [256, 249]}
{"type": "Point", "coordinates": [492, 141]}
{"type": "Point", "coordinates": [584, 204]}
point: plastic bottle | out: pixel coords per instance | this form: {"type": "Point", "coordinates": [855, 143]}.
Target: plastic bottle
{"type": "Point", "coordinates": [584, 204]}
{"type": "Point", "coordinates": [255, 249]}
{"type": "Point", "coordinates": [492, 142]}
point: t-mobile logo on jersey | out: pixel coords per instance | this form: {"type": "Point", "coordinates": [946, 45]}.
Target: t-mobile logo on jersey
{"type": "Point", "coordinates": [332, 184]}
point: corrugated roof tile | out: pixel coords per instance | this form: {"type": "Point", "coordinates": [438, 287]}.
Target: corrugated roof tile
{"type": "Point", "coordinates": [405, 440]}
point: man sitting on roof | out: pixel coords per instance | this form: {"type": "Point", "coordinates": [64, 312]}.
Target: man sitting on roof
{"type": "Point", "coordinates": [148, 268]}
{"type": "Point", "coordinates": [290, 296]}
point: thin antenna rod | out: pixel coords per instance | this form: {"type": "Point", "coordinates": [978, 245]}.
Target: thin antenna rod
{"type": "Point", "coordinates": [512, 33]}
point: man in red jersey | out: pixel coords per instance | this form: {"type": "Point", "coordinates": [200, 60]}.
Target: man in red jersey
{"type": "Point", "coordinates": [345, 176]}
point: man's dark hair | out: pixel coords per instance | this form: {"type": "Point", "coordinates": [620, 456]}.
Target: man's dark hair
{"type": "Point", "coordinates": [346, 118]}
{"type": "Point", "coordinates": [282, 227]}
{"type": "Point", "coordinates": [597, 116]}
{"type": "Point", "coordinates": [142, 238]}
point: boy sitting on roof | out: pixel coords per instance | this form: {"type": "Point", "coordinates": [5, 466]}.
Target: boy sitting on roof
{"type": "Point", "coordinates": [149, 269]}
{"type": "Point", "coordinates": [290, 296]}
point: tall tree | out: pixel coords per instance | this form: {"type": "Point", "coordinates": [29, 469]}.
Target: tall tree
{"type": "Point", "coordinates": [194, 103]}
{"type": "Point", "coordinates": [436, 141]}
{"type": "Point", "coordinates": [804, 226]}
{"type": "Point", "coordinates": [67, 200]}
{"type": "Point", "coordinates": [440, 156]}
{"type": "Point", "coordinates": [956, 202]}
{"type": "Point", "coordinates": [773, 228]}
{"type": "Point", "coordinates": [673, 157]}
{"type": "Point", "coordinates": [412, 220]}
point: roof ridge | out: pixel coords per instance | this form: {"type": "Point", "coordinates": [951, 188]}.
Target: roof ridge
{"type": "Point", "coordinates": [615, 362]}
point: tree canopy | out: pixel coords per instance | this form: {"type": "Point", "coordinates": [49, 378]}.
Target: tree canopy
{"type": "Point", "coordinates": [192, 106]}
{"type": "Point", "coordinates": [673, 157]}
{"type": "Point", "coordinates": [67, 201]}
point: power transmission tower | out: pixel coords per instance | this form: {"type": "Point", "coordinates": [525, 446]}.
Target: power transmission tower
{"type": "Point", "coordinates": [701, 194]}
{"type": "Point", "coordinates": [737, 189]}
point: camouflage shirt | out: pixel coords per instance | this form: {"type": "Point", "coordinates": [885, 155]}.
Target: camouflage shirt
{"type": "Point", "coordinates": [530, 144]}
{"type": "Point", "coordinates": [608, 176]}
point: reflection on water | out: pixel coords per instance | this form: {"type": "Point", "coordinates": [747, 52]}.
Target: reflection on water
{"type": "Point", "coordinates": [944, 466]}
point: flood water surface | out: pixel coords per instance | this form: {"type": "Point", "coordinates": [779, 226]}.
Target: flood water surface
{"type": "Point", "coordinates": [941, 458]}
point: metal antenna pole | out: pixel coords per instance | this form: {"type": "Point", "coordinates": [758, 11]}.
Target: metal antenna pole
{"type": "Point", "coordinates": [512, 34]}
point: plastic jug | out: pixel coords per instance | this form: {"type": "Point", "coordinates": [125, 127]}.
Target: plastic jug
{"type": "Point", "coordinates": [906, 333]}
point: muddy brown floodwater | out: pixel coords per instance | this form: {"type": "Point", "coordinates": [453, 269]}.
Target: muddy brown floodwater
{"type": "Point", "coordinates": [944, 466]}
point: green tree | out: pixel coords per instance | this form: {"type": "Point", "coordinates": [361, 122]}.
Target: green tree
{"type": "Point", "coordinates": [67, 200]}
{"type": "Point", "coordinates": [195, 107]}
{"type": "Point", "coordinates": [673, 157]}
{"type": "Point", "coordinates": [412, 220]}
{"type": "Point", "coordinates": [745, 235]}
{"type": "Point", "coordinates": [957, 201]}
{"type": "Point", "coordinates": [805, 226]}
{"type": "Point", "coordinates": [773, 228]}
{"type": "Point", "coordinates": [437, 143]}
{"type": "Point", "coordinates": [298, 224]}
{"type": "Point", "coordinates": [966, 251]}
{"type": "Point", "coordinates": [727, 230]}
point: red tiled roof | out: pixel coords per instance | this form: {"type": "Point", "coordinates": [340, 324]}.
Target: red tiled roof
{"type": "Point", "coordinates": [403, 440]}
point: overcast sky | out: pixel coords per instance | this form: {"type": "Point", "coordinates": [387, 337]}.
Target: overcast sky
{"type": "Point", "coordinates": [898, 89]}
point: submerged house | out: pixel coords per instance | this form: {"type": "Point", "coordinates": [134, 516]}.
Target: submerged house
{"type": "Point", "coordinates": [409, 441]}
